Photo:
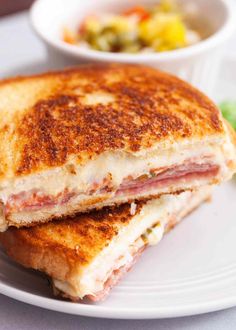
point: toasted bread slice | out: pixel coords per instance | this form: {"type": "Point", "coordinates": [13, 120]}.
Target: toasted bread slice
{"type": "Point", "coordinates": [86, 256]}
{"type": "Point", "coordinates": [98, 135]}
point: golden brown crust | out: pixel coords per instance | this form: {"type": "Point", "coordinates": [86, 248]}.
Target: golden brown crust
{"type": "Point", "coordinates": [95, 108]}
{"type": "Point", "coordinates": [56, 247]}
{"type": "Point", "coordinates": [50, 258]}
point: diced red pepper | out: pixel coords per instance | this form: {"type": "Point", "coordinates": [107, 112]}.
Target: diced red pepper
{"type": "Point", "coordinates": [140, 11]}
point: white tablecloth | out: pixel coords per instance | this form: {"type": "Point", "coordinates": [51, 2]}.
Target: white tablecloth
{"type": "Point", "coordinates": [21, 52]}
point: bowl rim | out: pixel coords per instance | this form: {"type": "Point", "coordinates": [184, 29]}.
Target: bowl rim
{"type": "Point", "coordinates": [219, 37]}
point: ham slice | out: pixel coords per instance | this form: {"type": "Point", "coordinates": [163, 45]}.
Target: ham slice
{"type": "Point", "coordinates": [168, 177]}
{"type": "Point", "coordinates": [34, 200]}
{"type": "Point", "coordinates": [115, 277]}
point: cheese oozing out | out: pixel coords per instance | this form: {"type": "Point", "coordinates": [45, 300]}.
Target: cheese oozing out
{"type": "Point", "coordinates": [146, 228]}
{"type": "Point", "coordinates": [118, 166]}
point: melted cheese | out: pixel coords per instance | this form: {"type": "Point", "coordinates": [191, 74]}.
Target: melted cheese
{"type": "Point", "coordinates": [117, 166]}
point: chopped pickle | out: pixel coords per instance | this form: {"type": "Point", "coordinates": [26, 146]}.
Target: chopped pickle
{"type": "Point", "coordinates": [154, 234]}
{"type": "Point", "coordinates": [138, 29]}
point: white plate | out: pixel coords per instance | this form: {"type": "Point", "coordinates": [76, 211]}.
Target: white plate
{"type": "Point", "coordinates": [192, 271]}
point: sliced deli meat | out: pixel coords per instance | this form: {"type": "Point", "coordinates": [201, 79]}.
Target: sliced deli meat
{"type": "Point", "coordinates": [37, 200]}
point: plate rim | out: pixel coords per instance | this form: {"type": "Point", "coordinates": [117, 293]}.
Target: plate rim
{"type": "Point", "coordinates": [99, 311]}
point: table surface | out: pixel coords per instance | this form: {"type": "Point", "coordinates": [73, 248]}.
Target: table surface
{"type": "Point", "coordinates": [24, 53]}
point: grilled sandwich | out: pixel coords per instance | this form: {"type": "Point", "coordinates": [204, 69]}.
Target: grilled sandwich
{"type": "Point", "coordinates": [100, 135]}
{"type": "Point", "coordinates": [87, 255]}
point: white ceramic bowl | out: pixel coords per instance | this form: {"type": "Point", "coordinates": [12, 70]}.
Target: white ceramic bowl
{"type": "Point", "coordinates": [197, 64]}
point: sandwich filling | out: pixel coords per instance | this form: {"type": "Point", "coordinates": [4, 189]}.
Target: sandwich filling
{"type": "Point", "coordinates": [113, 178]}
{"type": "Point", "coordinates": [146, 228]}
{"type": "Point", "coordinates": [35, 199]}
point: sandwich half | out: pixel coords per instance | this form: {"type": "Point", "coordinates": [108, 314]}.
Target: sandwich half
{"type": "Point", "coordinates": [87, 255]}
{"type": "Point", "coordinates": [100, 135]}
